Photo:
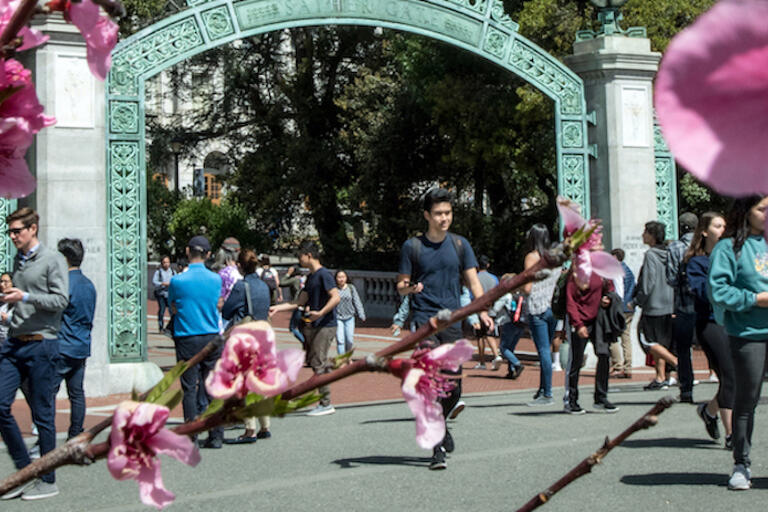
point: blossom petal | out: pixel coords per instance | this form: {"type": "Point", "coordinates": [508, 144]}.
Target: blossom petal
{"type": "Point", "coordinates": [430, 424]}
{"type": "Point", "coordinates": [572, 219]}
{"type": "Point", "coordinates": [100, 35]}
{"type": "Point", "coordinates": [582, 268]}
{"type": "Point", "coordinates": [606, 265]}
{"type": "Point", "coordinates": [452, 355]}
{"type": "Point", "coordinates": [151, 489]}
{"type": "Point", "coordinates": [711, 97]}
{"type": "Point", "coordinates": [15, 179]}
{"type": "Point", "coordinates": [222, 384]}
{"type": "Point", "coordinates": [179, 447]}
{"type": "Point", "coordinates": [290, 362]}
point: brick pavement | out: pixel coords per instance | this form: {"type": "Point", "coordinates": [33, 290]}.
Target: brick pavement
{"type": "Point", "coordinates": [367, 387]}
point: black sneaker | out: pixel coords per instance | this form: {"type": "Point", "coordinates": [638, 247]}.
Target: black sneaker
{"type": "Point", "coordinates": [448, 443]}
{"type": "Point", "coordinates": [538, 394]}
{"type": "Point", "coordinates": [212, 442]}
{"type": "Point", "coordinates": [685, 398]}
{"type": "Point", "coordinates": [729, 443]}
{"type": "Point", "coordinates": [605, 406]}
{"type": "Point", "coordinates": [574, 408]}
{"type": "Point", "coordinates": [710, 423]}
{"type": "Point", "coordinates": [655, 385]}
{"type": "Point", "coordinates": [518, 371]}
{"type": "Point", "coordinates": [438, 458]}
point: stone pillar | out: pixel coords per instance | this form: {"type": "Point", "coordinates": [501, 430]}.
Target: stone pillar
{"type": "Point", "coordinates": [618, 72]}
{"type": "Point", "coordinates": [69, 163]}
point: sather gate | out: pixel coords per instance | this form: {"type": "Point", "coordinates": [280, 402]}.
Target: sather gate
{"type": "Point", "coordinates": [479, 26]}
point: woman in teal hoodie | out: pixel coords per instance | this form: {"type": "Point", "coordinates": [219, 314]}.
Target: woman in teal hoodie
{"type": "Point", "coordinates": [738, 282]}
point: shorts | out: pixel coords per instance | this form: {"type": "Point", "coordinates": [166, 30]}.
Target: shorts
{"type": "Point", "coordinates": [655, 330]}
{"type": "Point", "coordinates": [483, 331]}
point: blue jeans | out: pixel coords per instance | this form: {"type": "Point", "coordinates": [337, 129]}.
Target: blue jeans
{"type": "Point", "coordinates": [510, 335]}
{"type": "Point", "coordinates": [72, 371]}
{"type": "Point", "coordinates": [345, 330]}
{"type": "Point", "coordinates": [295, 324]}
{"type": "Point", "coordinates": [196, 397]}
{"type": "Point", "coordinates": [542, 330]}
{"type": "Point", "coordinates": [162, 305]}
{"type": "Point", "coordinates": [36, 362]}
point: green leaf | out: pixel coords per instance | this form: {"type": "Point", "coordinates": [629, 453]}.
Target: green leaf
{"type": "Point", "coordinates": [342, 359]}
{"type": "Point", "coordinates": [171, 398]}
{"type": "Point", "coordinates": [283, 407]}
{"type": "Point", "coordinates": [165, 383]}
{"type": "Point", "coordinates": [213, 407]}
{"type": "Point", "coordinates": [263, 407]}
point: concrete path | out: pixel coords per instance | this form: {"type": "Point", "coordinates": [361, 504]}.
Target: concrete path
{"type": "Point", "coordinates": [364, 457]}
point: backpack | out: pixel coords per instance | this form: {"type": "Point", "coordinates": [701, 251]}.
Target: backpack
{"type": "Point", "coordinates": [268, 276]}
{"type": "Point", "coordinates": [559, 303]}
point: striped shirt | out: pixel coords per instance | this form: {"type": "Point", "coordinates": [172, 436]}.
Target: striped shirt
{"type": "Point", "coordinates": [350, 304]}
{"type": "Point", "coordinates": [540, 298]}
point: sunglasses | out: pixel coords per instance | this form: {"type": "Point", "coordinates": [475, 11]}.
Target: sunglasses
{"type": "Point", "coordinates": [16, 231]}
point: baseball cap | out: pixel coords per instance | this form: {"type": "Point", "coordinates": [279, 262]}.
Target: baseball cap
{"type": "Point", "coordinates": [231, 244]}
{"type": "Point", "coordinates": [688, 221]}
{"type": "Point", "coordinates": [199, 242]}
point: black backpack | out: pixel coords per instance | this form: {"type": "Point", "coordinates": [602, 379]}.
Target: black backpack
{"type": "Point", "coordinates": [417, 245]}
{"type": "Point", "coordinates": [268, 276]}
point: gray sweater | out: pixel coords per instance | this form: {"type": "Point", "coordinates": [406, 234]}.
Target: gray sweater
{"type": "Point", "coordinates": [46, 279]}
{"type": "Point", "coordinates": [653, 293]}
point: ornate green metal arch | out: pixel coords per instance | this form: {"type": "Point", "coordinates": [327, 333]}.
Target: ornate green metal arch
{"type": "Point", "coordinates": [479, 26]}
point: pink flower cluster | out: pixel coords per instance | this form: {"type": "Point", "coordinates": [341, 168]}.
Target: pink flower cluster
{"type": "Point", "coordinates": [136, 439]}
{"type": "Point", "coordinates": [250, 363]}
{"type": "Point", "coordinates": [588, 257]}
{"type": "Point", "coordinates": [21, 115]}
{"type": "Point", "coordinates": [423, 384]}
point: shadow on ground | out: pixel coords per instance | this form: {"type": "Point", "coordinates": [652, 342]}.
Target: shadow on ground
{"type": "Point", "coordinates": [382, 460]}
{"type": "Point", "coordinates": [715, 479]}
{"type": "Point", "coordinates": [387, 420]}
{"type": "Point", "coordinates": [670, 442]}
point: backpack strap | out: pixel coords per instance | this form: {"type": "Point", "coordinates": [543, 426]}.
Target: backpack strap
{"type": "Point", "coordinates": [459, 247]}
{"type": "Point", "coordinates": [248, 298]}
{"type": "Point", "coordinates": [416, 247]}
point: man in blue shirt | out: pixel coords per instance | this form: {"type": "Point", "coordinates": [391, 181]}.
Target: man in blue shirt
{"type": "Point", "coordinates": [75, 334]}
{"type": "Point", "coordinates": [194, 297]}
{"type": "Point", "coordinates": [430, 271]}
{"type": "Point", "coordinates": [321, 296]}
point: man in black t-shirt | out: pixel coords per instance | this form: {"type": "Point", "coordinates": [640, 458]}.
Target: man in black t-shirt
{"type": "Point", "coordinates": [431, 268]}
{"type": "Point", "coordinates": [321, 296]}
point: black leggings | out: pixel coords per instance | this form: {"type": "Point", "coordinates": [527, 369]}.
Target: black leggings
{"type": "Point", "coordinates": [749, 363]}
{"type": "Point", "coordinates": [716, 345]}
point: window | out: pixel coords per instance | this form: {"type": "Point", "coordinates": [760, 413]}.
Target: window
{"type": "Point", "coordinates": [212, 188]}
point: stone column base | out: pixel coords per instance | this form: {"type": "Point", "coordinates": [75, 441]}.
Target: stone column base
{"type": "Point", "coordinates": [112, 379]}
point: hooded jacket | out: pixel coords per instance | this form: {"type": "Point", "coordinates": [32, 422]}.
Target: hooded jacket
{"type": "Point", "coordinates": [653, 293]}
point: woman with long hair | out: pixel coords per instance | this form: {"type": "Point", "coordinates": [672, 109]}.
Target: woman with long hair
{"type": "Point", "coordinates": [349, 306]}
{"type": "Point", "coordinates": [541, 321]}
{"type": "Point", "coordinates": [248, 297]}
{"type": "Point", "coordinates": [738, 281]}
{"type": "Point", "coordinates": [711, 335]}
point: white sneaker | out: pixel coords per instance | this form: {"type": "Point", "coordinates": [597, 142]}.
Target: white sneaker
{"type": "Point", "coordinates": [479, 366]}
{"type": "Point", "coordinates": [322, 410]}
{"type": "Point", "coordinates": [671, 381]}
{"type": "Point", "coordinates": [497, 362]}
{"type": "Point", "coordinates": [713, 378]}
{"type": "Point", "coordinates": [556, 367]}
{"type": "Point", "coordinates": [39, 491]}
{"type": "Point", "coordinates": [741, 479]}
{"type": "Point", "coordinates": [460, 405]}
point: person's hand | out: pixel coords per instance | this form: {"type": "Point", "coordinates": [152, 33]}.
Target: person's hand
{"type": "Point", "coordinates": [314, 316]}
{"type": "Point", "coordinates": [582, 332]}
{"type": "Point", "coordinates": [272, 311]}
{"type": "Point", "coordinates": [13, 295]}
{"type": "Point", "coordinates": [414, 287]}
{"type": "Point", "coordinates": [3, 317]}
{"type": "Point", "coordinates": [605, 301]}
{"type": "Point", "coordinates": [762, 300]}
{"type": "Point", "coordinates": [395, 329]}
{"type": "Point", "coordinates": [165, 284]}
{"type": "Point", "coordinates": [487, 320]}
{"type": "Point", "coordinates": [279, 297]}
{"type": "Point", "coordinates": [290, 271]}
{"type": "Point", "coordinates": [476, 326]}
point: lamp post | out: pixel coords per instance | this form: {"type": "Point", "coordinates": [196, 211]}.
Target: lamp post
{"type": "Point", "coordinates": [608, 15]}
{"type": "Point", "coordinates": [176, 147]}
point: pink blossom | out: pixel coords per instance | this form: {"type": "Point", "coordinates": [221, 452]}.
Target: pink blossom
{"type": "Point", "coordinates": [587, 257]}
{"type": "Point", "coordinates": [136, 439]}
{"type": "Point", "coordinates": [424, 384]}
{"type": "Point", "coordinates": [250, 362]}
{"type": "Point", "coordinates": [30, 37]}
{"type": "Point", "coordinates": [21, 116]}
{"type": "Point", "coordinates": [100, 34]}
{"type": "Point", "coordinates": [711, 92]}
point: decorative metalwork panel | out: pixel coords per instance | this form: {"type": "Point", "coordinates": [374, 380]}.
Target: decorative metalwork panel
{"type": "Point", "coordinates": [666, 183]}
{"type": "Point", "coordinates": [549, 75]}
{"type": "Point", "coordinates": [7, 250]}
{"type": "Point", "coordinates": [151, 52]}
{"type": "Point", "coordinates": [124, 117]}
{"type": "Point", "coordinates": [124, 247]}
{"type": "Point", "coordinates": [574, 180]}
{"type": "Point", "coordinates": [218, 23]}
{"type": "Point", "coordinates": [480, 26]}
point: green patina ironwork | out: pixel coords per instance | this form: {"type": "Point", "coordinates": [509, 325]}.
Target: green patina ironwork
{"type": "Point", "coordinates": [479, 26]}
{"type": "Point", "coordinates": [666, 183]}
{"type": "Point", "coordinates": [7, 250]}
